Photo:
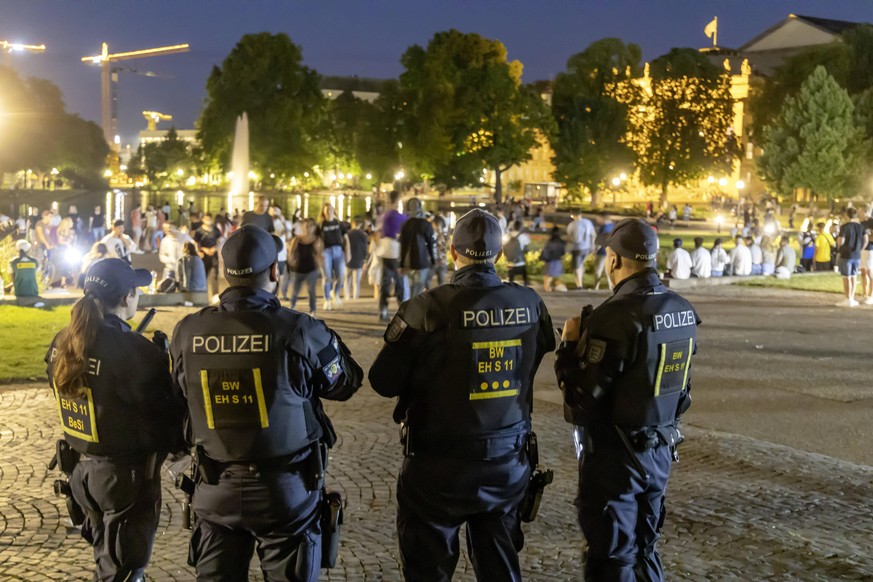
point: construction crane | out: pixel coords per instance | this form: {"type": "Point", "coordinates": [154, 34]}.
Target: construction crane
{"type": "Point", "coordinates": [155, 117]}
{"type": "Point", "coordinates": [109, 80]}
{"type": "Point", "coordinates": [9, 48]}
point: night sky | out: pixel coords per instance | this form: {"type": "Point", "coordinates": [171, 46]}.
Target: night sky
{"type": "Point", "coordinates": [363, 37]}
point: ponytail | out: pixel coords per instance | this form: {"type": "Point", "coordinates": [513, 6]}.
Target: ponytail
{"type": "Point", "coordinates": [71, 365]}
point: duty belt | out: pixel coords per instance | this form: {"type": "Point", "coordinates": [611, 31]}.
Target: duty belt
{"type": "Point", "coordinates": [474, 448]}
{"type": "Point", "coordinates": [656, 436]}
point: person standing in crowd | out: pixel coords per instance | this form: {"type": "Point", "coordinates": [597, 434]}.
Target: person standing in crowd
{"type": "Point", "coordinates": [260, 216]}
{"type": "Point", "coordinates": [605, 226]}
{"type": "Point", "coordinates": [580, 235]}
{"type": "Point", "coordinates": [97, 224]}
{"type": "Point", "coordinates": [786, 259]}
{"type": "Point", "coordinates": [552, 257]}
{"type": "Point", "coordinates": [823, 244]}
{"type": "Point", "coordinates": [44, 235]}
{"type": "Point", "coordinates": [866, 269]}
{"type": "Point", "coordinates": [539, 220]}
{"type": "Point", "coordinates": [169, 251]}
{"type": "Point", "coordinates": [851, 240]}
{"type": "Point", "coordinates": [807, 245]}
{"type": "Point", "coordinates": [119, 245]}
{"type": "Point", "coordinates": [388, 249]}
{"type": "Point", "coordinates": [417, 247]}
{"type": "Point", "coordinates": [335, 244]}
{"type": "Point", "coordinates": [23, 269]}
{"type": "Point", "coordinates": [304, 262]}
{"type": "Point", "coordinates": [136, 225]}
{"type": "Point", "coordinates": [208, 241]}
{"type": "Point", "coordinates": [466, 423]}
{"type": "Point", "coordinates": [741, 258]}
{"type": "Point", "coordinates": [441, 260]}
{"type": "Point", "coordinates": [678, 262]}
{"type": "Point", "coordinates": [359, 243]}
{"type": "Point", "coordinates": [191, 270]}
{"type": "Point", "coordinates": [120, 418]}
{"type": "Point", "coordinates": [150, 228]}
{"type": "Point", "coordinates": [166, 209]}
{"type": "Point", "coordinates": [514, 252]}
{"type": "Point", "coordinates": [701, 260]}
{"type": "Point", "coordinates": [261, 459]}
{"type": "Point", "coordinates": [686, 213]}
{"type": "Point", "coordinates": [624, 375]}
{"type": "Point", "coordinates": [183, 217]}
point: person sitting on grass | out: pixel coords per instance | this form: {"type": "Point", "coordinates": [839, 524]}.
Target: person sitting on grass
{"type": "Point", "coordinates": [23, 270]}
{"type": "Point", "coordinates": [786, 259]}
{"type": "Point", "coordinates": [191, 270]}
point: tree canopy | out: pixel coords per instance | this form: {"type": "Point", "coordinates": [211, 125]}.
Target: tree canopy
{"type": "Point", "coordinates": [680, 120]}
{"type": "Point", "coordinates": [264, 76]}
{"type": "Point", "coordinates": [815, 142]}
{"type": "Point", "coordinates": [590, 123]}
{"type": "Point", "coordinates": [36, 132]}
{"type": "Point", "coordinates": [465, 110]}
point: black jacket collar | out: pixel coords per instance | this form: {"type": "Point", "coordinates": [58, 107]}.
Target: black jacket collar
{"type": "Point", "coordinates": [480, 275]}
{"type": "Point", "coordinates": [246, 298]}
{"type": "Point", "coordinates": [643, 282]}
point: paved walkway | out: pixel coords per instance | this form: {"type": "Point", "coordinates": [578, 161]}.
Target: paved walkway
{"type": "Point", "coordinates": [739, 508]}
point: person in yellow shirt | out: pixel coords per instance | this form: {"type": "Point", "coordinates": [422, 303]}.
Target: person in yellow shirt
{"type": "Point", "coordinates": [823, 244]}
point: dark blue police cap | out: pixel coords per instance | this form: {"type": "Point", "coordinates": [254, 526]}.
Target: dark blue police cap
{"type": "Point", "coordinates": [111, 279]}
{"type": "Point", "coordinates": [250, 250]}
{"type": "Point", "coordinates": [477, 235]}
{"type": "Point", "coordinates": [632, 238]}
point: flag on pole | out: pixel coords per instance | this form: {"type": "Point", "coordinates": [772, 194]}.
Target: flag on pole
{"type": "Point", "coordinates": [711, 30]}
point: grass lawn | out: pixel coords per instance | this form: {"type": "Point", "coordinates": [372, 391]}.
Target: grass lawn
{"type": "Point", "coordinates": [25, 335]}
{"type": "Point", "coordinates": [824, 283]}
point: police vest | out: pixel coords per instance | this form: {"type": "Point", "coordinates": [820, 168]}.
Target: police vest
{"type": "Point", "coordinates": [243, 403]}
{"type": "Point", "coordinates": [124, 409]}
{"type": "Point", "coordinates": [648, 392]}
{"type": "Point", "coordinates": [483, 385]}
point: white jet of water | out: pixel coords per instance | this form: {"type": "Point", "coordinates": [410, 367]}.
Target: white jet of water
{"type": "Point", "coordinates": [239, 162]}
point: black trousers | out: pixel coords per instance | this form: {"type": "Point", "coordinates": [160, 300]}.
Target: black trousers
{"type": "Point", "coordinates": [519, 271]}
{"type": "Point", "coordinates": [271, 512]}
{"type": "Point", "coordinates": [622, 514]}
{"type": "Point", "coordinates": [122, 507]}
{"type": "Point", "coordinates": [436, 496]}
{"type": "Point", "coordinates": [391, 278]}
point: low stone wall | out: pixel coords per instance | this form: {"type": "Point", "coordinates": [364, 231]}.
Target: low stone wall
{"type": "Point", "coordinates": [156, 300]}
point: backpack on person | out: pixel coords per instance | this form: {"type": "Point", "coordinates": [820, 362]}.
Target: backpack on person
{"type": "Point", "coordinates": [512, 251]}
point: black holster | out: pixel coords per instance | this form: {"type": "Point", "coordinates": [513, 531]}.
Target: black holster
{"type": "Point", "coordinates": [539, 479]}
{"type": "Point", "coordinates": [331, 521]}
{"type": "Point", "coordinates": [66, 459]}
{"type": "Point", "coordinates": [185, 484]}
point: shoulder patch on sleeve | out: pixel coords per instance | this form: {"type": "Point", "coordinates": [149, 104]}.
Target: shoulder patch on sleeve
{"type": "Point", "coordinates": [395, 329]}
{"type": "Point", "coordinates": [596, 350]}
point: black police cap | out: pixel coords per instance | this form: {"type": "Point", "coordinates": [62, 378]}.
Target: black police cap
{"type": "Point", "coordinates": [110, 279]}
{"type": "Point", "coordinates": [250, 250]}
{"type": "Point", "coordinates": [631, 238]}
{"type": "Point", "coordinates": [477, 235]}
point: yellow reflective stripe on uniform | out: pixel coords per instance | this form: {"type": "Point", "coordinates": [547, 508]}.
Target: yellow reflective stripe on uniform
{"type": "Point", "coordinates": [207, 398]}
{"type": "Point", "coordinates": [501, 344]}
{"type": "Point", "coordinates": [660, 369]}
{"type": "Point", "coordinates": [687, 363]}
{"type": "Point", "coordinates": [259, 390]}
{"type": "Point", "coordinates": [498, 394]}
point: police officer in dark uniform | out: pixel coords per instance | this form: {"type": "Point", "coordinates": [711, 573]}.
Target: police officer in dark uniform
{"type": "Point", "coordinates": [624, 372]}
{"type": "Point", "coordinates": [120, 418]}
{"type": "Point", "coordinates": [253, 374]}
{"type": "Point", "coordinates": [462, 359]}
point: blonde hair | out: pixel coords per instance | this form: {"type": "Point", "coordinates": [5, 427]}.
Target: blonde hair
{"type": "Point", "coordinates": [322, 216]}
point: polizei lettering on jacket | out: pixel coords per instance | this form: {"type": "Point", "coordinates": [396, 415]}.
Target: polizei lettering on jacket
{"type": "Point", "coordinates": [674, 319]}
{"type": "Point", "coordinates": [497, 317]}
{"type": "Point", "coordinates": [230, 344]}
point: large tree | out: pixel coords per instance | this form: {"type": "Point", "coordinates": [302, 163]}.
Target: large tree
{"type": "Point", "coordinates": [37, 133]}
{"type": "Point", "coordinates": [590, 124]}
{"type": "Point", "coordinates": [816, 142]}
{"type": "Point", "coordinates": [466, 110]}
{"type": "Point", "coordinates": [264, 76]}
{"type": "Point", "coordinates": [680, 120]}
{"type": "Point", "coordinates": [849, 60]}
